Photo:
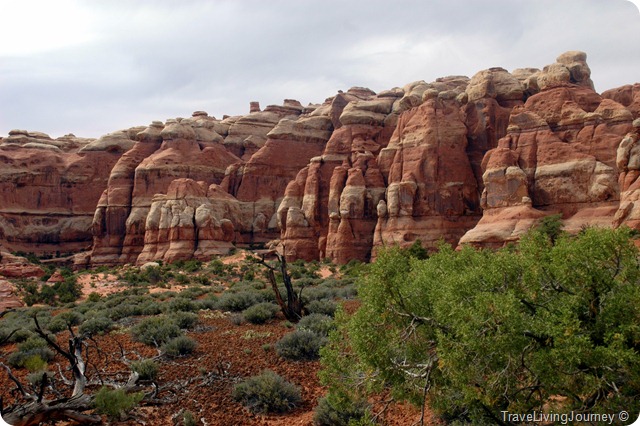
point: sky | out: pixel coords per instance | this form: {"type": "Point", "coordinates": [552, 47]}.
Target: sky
{"type": "Point", "coordinates": [96, 66]}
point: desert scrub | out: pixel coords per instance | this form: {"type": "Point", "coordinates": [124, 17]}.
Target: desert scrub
{"type": "Point", "coordinates": [155, 330]}
{"type": "Point", "coordinates": [182, 304]}
{"type": "Point", "coordinates": [96, 325]}
{"type": "Point", "coordinates": [319, 324]}
{"type": "Point", "coordinates": [327, 414]}
{"type": "Point", "coordinates": [267, 393]}
{"type": "Point", "coordinates": [30, 349]}
{"type": "Point", "coordinates": [209, 302]}
{"type": "Point", "coordinates": [147, 369]}
{"type": "Point", "coordinates": [237, 302]}
{"type": "Point", "coordinates": [116, 403]}
{"type": "Point", "coordinates": [193, 292]}
{"type": "Point", "coordinates": [65, 320]}
{"type": "Point", "coordinates": [324, 306]}
{"type": "Point", "coordinates": [318, 293]}
{"type": "Point", "coordinates": [300, 345]}
{"type": "Point", "coordinates": [184, 320]}
{"type": "Point", "coordinates": [260, 313]}
{"type": "Point", "coordinates": [180, 346]}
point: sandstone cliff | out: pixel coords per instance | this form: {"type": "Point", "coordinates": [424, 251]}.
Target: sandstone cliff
{"type": "Point", "coordinates": [49, 188]}
{"type": "Point", "coordinates": [466, 160]}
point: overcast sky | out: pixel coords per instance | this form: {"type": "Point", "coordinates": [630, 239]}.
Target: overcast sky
{"type": "Point", "coordinates": [95, 66]}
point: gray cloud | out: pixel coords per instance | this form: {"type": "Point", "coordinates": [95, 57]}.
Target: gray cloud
{"type": "Point", "coordinates": [134, 62]}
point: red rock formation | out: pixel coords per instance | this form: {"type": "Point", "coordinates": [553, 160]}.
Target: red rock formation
{"type": "Point", "coordinates": [8, 296]}
{"type": "Point", "coordinates": [557, 157]}
{"type": "Point", "coordinates": [49, 188]}
{"type": "Point", "coordinates": [12, 266]}
{"type": "Point", "coordinates": [432, 193]}
{"type": "Point", "coordinates": [628, 162]}
{"type": "Point", "coordinates": [189, 148]}
{"type": "Point", "coordinates": [475, 161]}
{"type": "Point", "coordinates": [190, 219]}
{"type": "Point", "coordinates": [329, 209]}
{"type": "Point", "coordinates": [628, 96]}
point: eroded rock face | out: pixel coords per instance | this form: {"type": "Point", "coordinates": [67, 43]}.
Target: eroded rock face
{"type": "Point", "coordinates": [557, 157]}
{"type": "Point", "coordinates": [469, 160]}
{"type": "Point", "coordinates": [12, 266]}
{"type": "Point", "coordinates": [432, 193]}
{"type": "Point", "coordinates": [628, 162]}
{"type": "Point", "coordinates": [49, 188]}
{"type": "Point", "coordinates": [329, 210]}
{"type": "Point", "coordinates": [180, 148]}
{"type": "Point", "coordinates": [191, 220]}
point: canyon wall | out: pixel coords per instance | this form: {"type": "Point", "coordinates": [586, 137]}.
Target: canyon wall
{"type": "Point", "coordinates": [466, 160]}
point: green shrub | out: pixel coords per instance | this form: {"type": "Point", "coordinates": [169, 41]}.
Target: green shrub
{"type": "Point", "coordinates": [347, 292]}
{"type": "Point", "coordinates": [94, 297]}
{"type": "Point", "coordinates": [147, 369]}
{"type": "Point", "coordinates": [192, 265]}
{"type": "Point", "coordinates": [260, 313]}
{"type": "Point", "coordinates": [97, 325]}
{"type": "Point", "coordinates": [319, 324]}
{"type": "Point", "coordinates": [202, 280]}
{"type": "Point", "coordinates": [182, 304]}
{"type": "Point", "coordinates": [267, 393]}
{"type": "Point", "coordinates": [21, 335]}
{"type": "Point", "coordinates": [210, 302]}
{"type": "Point", "coordinates": [300, 345]}
{"type": "Point", "coordinates": [327, 414]}
{"type": "Point", "coordinates": [150, 307]}
{"type": "Point", "coordinates": [35, 363]}
{"type": "Point", "coordinates": [155, 330]}
{"type": "Point", "coordinates": [184, 320]}
{"type": "Point", "coordinates": [318, 293]}
{"type": "Point", "coordinates": [181, 345]}
{"type": "Point", "coordinates": [237, 302]}
{"type": "Point", "coordinates": [64, 320]}
{"type": "Point", "coordinates": [182, 279]}
{"type": "Point", "coordinates": [237, 319]}
{"type": "Point", "coordinates": [34, 346]}
{"type": "Point", "coordinates": [217, 267]}
{"type": "Point", "coordinates": [193, 292]}
{"type": "Point", "coordinates": [116, 403]}
{"type": "Point", "coordinates": [68, 290]}
{"type": "Point", "coordinates": [496, 329]}
{"type": "Point", "coordinates": [324, 306]}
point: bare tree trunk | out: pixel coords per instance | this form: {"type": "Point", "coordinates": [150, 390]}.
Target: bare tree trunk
{"type": "Point", "coordinates": [293, 309]}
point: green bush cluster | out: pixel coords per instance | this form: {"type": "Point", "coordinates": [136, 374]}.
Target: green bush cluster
{"type": "Point", "coordinates": [155, 330]}
{"type": "Point", "coordinates": [327, 413]}
{"type": "Point", "coordinates": [182, 304]}
{"type": "Point", "coordinates": [549, 324]}
{"type": "Point", "coordinates": [96, 325]}
{"type": "Point", "coordinates": [267, 393]}
{"type": "Point", "coordinates": [323, 306]}
{"type": "Point", "coordinates": [65, 291]}
{"type": "Point", "coordinates": [300, 345]}
{"type": "Point", "coordinates": [34, 349]}
{"type": "Point", "coordinates": [261, 312]}
{"type": "Point", "coordinates": [184, 320]}
{"type": "Point", "coordinates": [237, 302]}
{"type": "Point", "coordinates": [179, 346]}
{"type": "Point", "coordinates": [65, 320]}
{"type": "Point", "coordinates": [319, 324]}
{"type": "Point", "coordinates": [116, 404]}
{"type": "Point", "coordinates": [147, 369]}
